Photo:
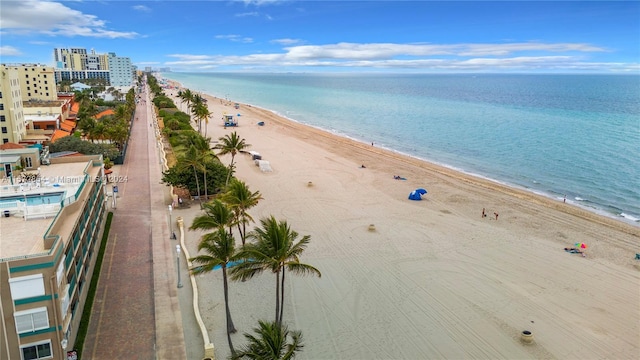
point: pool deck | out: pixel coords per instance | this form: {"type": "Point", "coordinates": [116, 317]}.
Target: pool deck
{"type": "Point", "coordinates": [19, 237]}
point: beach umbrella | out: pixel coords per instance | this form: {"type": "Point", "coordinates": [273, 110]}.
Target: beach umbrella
{"type": "Point", "coordinates": [581, 245]}
{"type": "Point", "coordinates": [417, 194]}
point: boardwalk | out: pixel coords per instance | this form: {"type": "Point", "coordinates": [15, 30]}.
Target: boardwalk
{"type": "Point", "coordinates": [136, 313]}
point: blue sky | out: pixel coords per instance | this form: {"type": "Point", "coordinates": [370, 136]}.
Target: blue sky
{"type": "Point", "coordinates": [337, 36]}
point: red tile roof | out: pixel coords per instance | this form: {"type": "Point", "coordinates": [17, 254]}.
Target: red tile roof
{"type": "Point", "coordinates": [10, 145]}
{"type": "Point", "coordinates": [59, 134]}
{"type": "Point", "coordinates": [105, 113]}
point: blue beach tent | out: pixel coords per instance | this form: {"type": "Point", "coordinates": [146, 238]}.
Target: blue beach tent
{"type": "Point", "coordinates": [417, 194]}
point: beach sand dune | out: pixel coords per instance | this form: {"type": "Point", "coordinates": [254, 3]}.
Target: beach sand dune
{"type": "Point", "coordinates": [424, 279]}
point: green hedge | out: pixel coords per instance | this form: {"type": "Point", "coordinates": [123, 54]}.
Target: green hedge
{"type": "Point", "coordinates": [86, 312]}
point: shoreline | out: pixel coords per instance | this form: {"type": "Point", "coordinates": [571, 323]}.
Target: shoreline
{"type": "Point", "coordinates": [594, 214]}
{"type": "Point", "coordinates": [421, 279]}
{"type": "Point", "coordinates": [609, 211]}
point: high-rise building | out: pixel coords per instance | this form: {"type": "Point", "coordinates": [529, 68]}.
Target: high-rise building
{"type": "Point", "coordinates": [48, 252]}
{"type": "Point", "coordinates": [77, 64]}
{"type": "Point", "coordinates": [120, 70]}
{"type": "Point", "coordinates": [12, 123]}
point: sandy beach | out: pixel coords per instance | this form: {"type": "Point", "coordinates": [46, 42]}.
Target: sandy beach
{"type": "Point", "coordinates": [426, 279]}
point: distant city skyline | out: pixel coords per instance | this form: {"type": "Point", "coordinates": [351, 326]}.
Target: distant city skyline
{"type": "Point", "coordinates": [333, 36]}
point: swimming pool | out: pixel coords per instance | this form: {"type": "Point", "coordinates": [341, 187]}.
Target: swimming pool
{"type": "Point", "coordinates": [32, 199]}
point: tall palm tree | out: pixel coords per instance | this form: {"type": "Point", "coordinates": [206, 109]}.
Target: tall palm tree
{"type": "Point", "coordinates": [200, 111]}
{"type": "Point", "coordinates": [240, 199]}
{"type": "Point", "coordinates": [186, 96]}
{"type": "Point", "coordinates": [216, 215]}
{"type": "Point", "coordinates": [275, 249]}
{"type": "Point", "coordinates": [270, 343]}
{"type": "Point", "coordinates": [193, 159]}
{"type": "Point", "coordinates": [201, 145]}
{"type": "Point", "coordinates": [231, 144]}
{"type": "Point", "coordinates": [219, 248]}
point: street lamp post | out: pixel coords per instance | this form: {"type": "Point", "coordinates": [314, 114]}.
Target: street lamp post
{"type": "Point", "coordinates": [178, 265]}
{"type": "Point", "coordinates": [172, 236]}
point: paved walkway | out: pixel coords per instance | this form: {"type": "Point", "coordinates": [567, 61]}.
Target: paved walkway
{"type": "Point", "coordinates": [136, 313]}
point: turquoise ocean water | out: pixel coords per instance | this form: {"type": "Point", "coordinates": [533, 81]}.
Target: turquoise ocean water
{"type": "Point", "coordinates": [555, 135]}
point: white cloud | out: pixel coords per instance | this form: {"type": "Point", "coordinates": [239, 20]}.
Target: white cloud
{"type": "Point", "coordinates": [53, 18]}
{"type": "Point", "coordinates": [448, 57]}
{"type": "Point", "coordinates": [263, 2]}
{"type": "Point", "coordinates": [235, 38]}
{"type": "Point", "coordinates": [141, 8]}
{"type": "Point", "coordinates": [390, 50]}
{"type": "Point", "coordinates": [253, 13]}
{"type": "Point", "coordinates": [9, 51]}
{"type": "Point", "coordinates": [286, 41]}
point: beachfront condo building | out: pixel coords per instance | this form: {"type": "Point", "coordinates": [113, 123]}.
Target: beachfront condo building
{"type": "Point", "coordinates": [121, 71]}
{"type": "Point", "coordinates": [30, 109]}
{"type": "Point", "coordinates": [51, 224]}
{"type": "Point", "coordinates": [12, 124]}
{"type": "Point", "coordinates": [76, 64]}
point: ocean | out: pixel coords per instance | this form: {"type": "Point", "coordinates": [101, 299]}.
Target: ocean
{"type": "Point", "coordinates": [556, 135]}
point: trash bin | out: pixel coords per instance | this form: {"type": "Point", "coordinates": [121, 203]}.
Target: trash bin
{"type": "Point", "coordinates": [7, 213]}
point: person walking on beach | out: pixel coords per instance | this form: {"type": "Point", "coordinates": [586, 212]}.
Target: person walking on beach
{"type": "Point", "coordinates": [483, 213]}
{"type": "Point", "coordinates": [496, 214]}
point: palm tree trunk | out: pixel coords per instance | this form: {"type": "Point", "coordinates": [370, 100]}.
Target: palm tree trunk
{"type": "Point", "coordinates": [241, 234]}
{"type": "Point", "coordinates": [197, 185]}
{"type": "Point", "coordinates": [206, 194]}
{"type": "Point", "coordinates": [281, 297]}
{"type": "Point", "coordinates": [233, 155]}
{"type": "Point", "coordinates": [230, 327]}
{"type": "Point", "coordinates": [277, 296]}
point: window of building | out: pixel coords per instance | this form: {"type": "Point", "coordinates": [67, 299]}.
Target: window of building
{"type": "Point", "coordinates": [4, 130]}
{"type": "Point", "coordinates": [60, 270]}
{"type": "Point", "coordinates": [1, 106]}
{"type": "Point", "coordinates": [36, 351]}
{"type": "Point", "coordinates": [28, 162]}
{"type": "Point", "coordinates": [0, 94]}
{"type": "Point", "coordinates": [31, 320]}
{"type": "Point", "coordinates": [3, 118]}
{"type": "Point", "coordinates": [26, 286]}
{"type": "Point", "coordinates": [5, 140]}
{"type": "Point", "coordinates": [64, 301]}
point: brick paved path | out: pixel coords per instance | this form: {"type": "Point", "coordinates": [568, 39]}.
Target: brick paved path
{"type": "Point", "coordinates": [136, 313]}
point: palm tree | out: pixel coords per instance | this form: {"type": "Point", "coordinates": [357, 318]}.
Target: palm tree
{"type": "Point", "coordinates": [200, 111]}
{"type": "Point", "coordinates": [192, 158]}
{"type": "Point", "coordinates": [275, 249]}
{"type": "Point", "coordinates": [216, 215]}
{"type": "Point", "coordinates": [240, 199]}
{"type": "Point", "coordinates": [270, 343]}
{"type": "Point", "coordinates": [231, 144]}
{"type": "Point", "coordinates": [201, 145]}
{"type": "Point", "coordinates": [186, 96]}
{"type": "Point", "coordinates": [219, 248]}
